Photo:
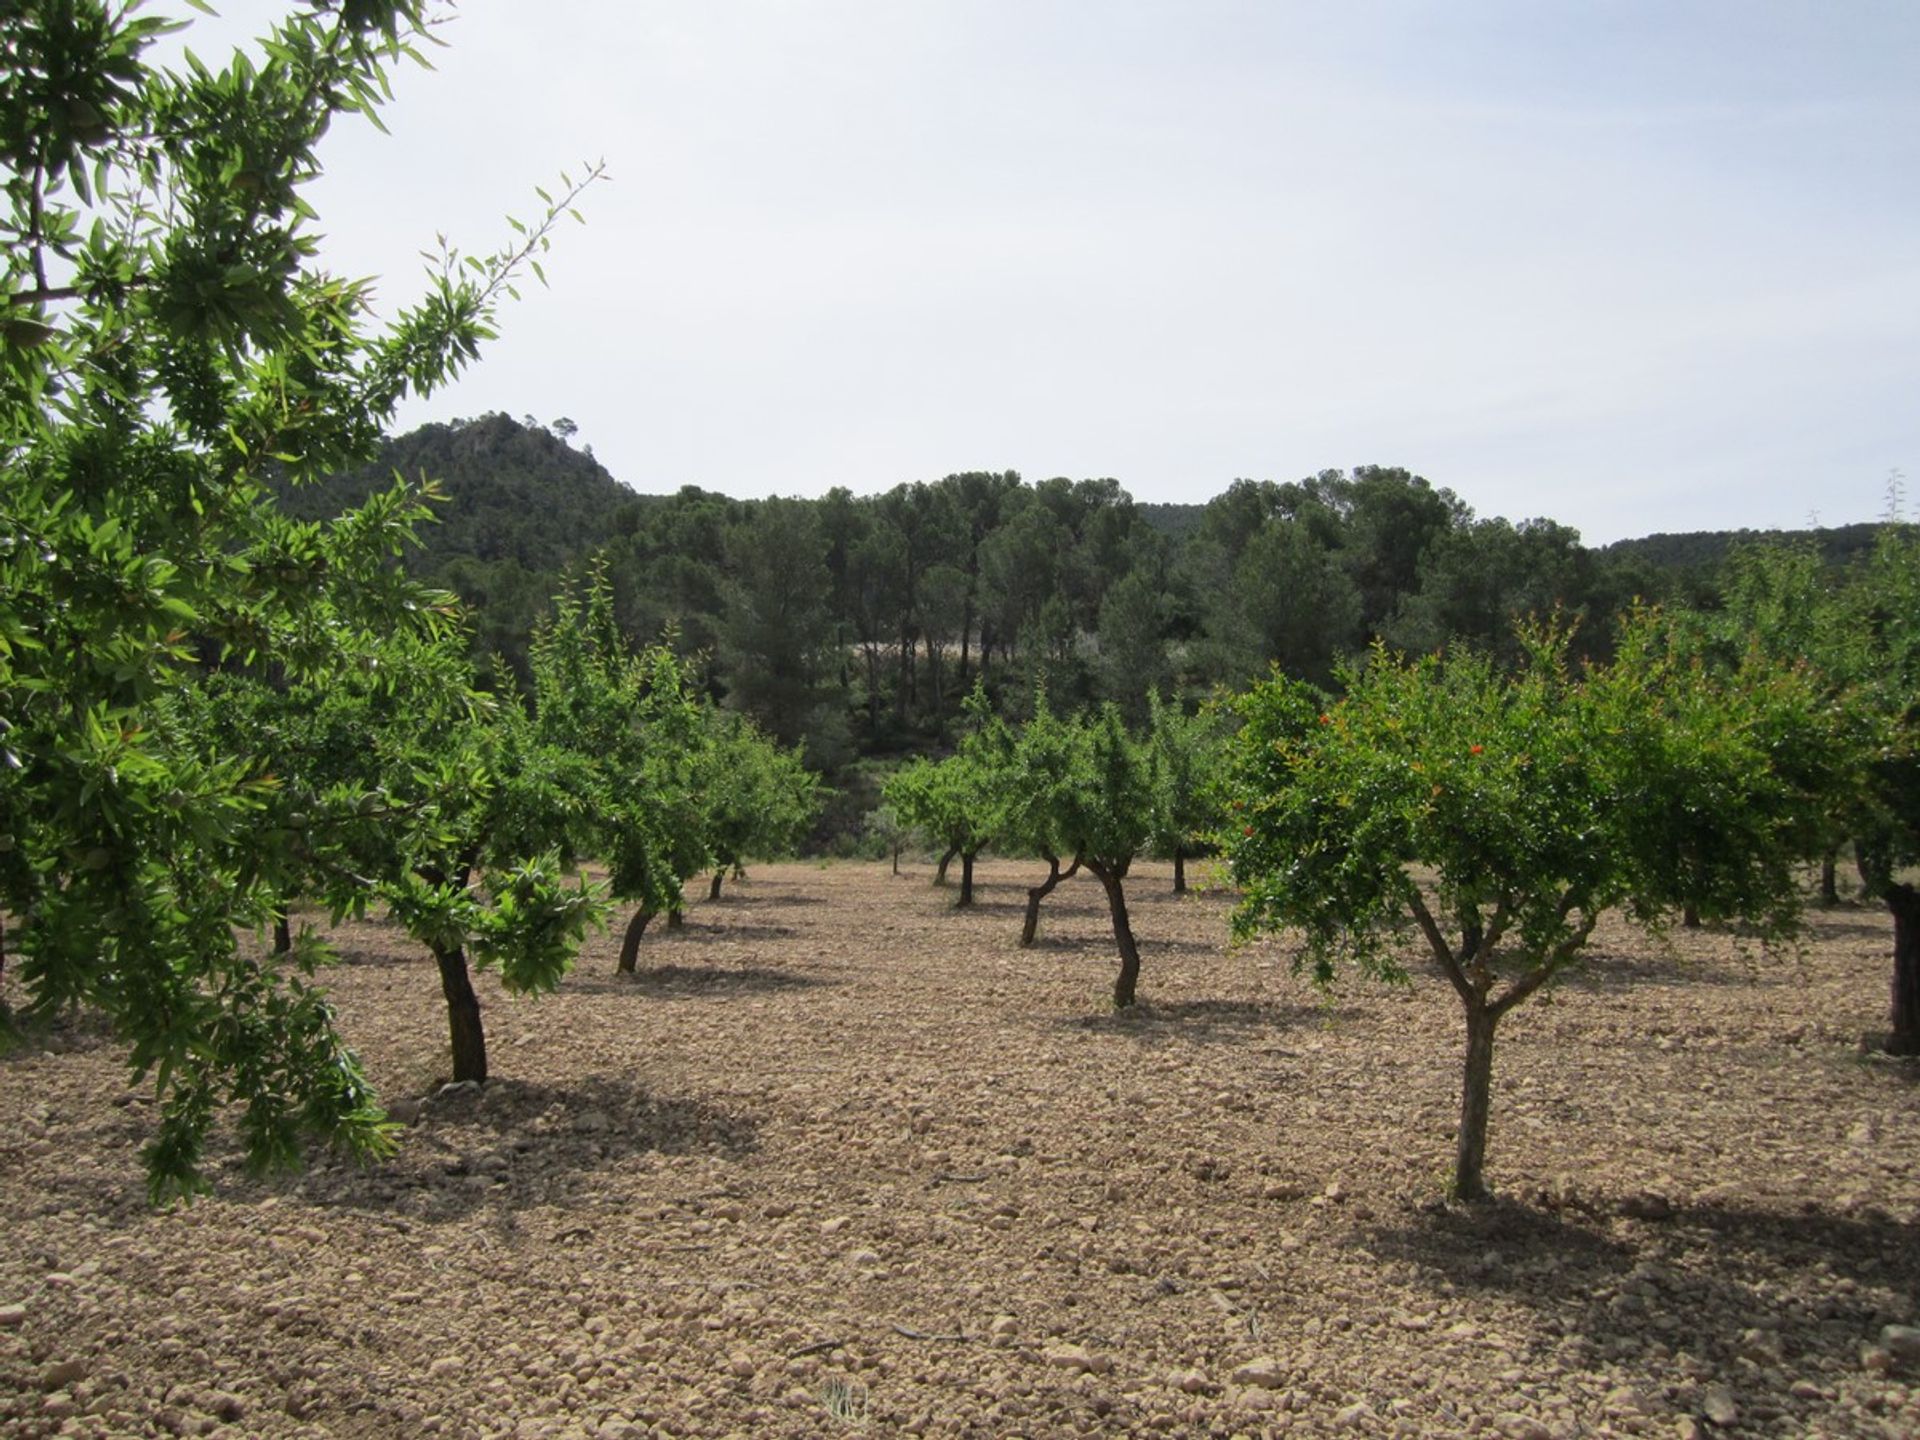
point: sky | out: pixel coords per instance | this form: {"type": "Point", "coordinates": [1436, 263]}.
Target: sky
{"type": "Point", "coordinates": [1635, 267]}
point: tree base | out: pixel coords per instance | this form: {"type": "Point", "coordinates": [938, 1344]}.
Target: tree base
{"type": "Point", "coordinates": [1885, 1042]}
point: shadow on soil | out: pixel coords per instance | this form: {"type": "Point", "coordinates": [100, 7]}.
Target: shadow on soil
{"type": "Point", "coordinates": [1605, 972]}
{"type": "Point", "coordinates": [515, 1144]}
{"type": "Point", "coordinates": [658, 980]}
{"type": "Point", "coordinates": [697, 933]}
{"type": "Point", "coordinates": [746, 900]}
{"type": "Point", "coordinates": [1230, 1021]}
{"type": "Point", "coordinates": [1717, 1282]}
{"type": "Point", "coordinates": [510, 1145]}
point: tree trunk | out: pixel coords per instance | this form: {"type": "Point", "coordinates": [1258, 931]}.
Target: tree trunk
{"type": "Point", "coordinates": [1179, 871]}
{"type": "Point", "coordinates": [896, 859]}
{"type": "Point", "coordinates": [630, 942]}
{"type": "Point", "coordinates": [713, 890]}
{"type": "Point", "coordinates": [934, 694]}
{"type": "Point", "coordinates": [1829, 876]}
{"type": "Point", "coordinates": [676, 919]}
{"type": "Point", "coordinates": [1904, 902]}
{"type": "Point", "coordinates": [463, 1016]}
{"type": "Point", "coordinates": [966, 880]}
{"type": "Point", "coordinates": [940, 875]}
{"type": "Point", "coordinates": [1037, 893]}
{"type": "Point", "coordinates": [1690, 915]}
{"type": "Point", "coordinates": [966, 636]}
{"type": "Point", "coordinates": [1476, 1098]}
{"type": "Point", "coordinates": [282, 931]}
{"type": "Point", "coordinates": [1129, 977]}
{"type": "Point", "coordinates": [873, 690]}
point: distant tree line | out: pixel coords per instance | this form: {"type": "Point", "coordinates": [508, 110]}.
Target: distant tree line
{"type": "Point", "coordinates": [855, 626]}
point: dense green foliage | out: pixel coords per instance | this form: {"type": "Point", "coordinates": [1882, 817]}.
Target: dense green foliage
{"type": "Point", "coordinates": [167, 340]}
{"type": "Point", "coordinates": [856, 625]}
{"type": "Point", "coordinates": [1499, 811]}
{"type": "Point", "coordinates": [1858, 630]}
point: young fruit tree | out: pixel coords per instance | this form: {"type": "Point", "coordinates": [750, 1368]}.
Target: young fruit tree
{"type": "Point", "coordinates": [448, 806]}
{"type": "Point", "coordinates": [1859, 630]}
{"type": "Point", "coordinates": [1038, 770]}
{"type": "Point", "coordinates": [1881, 605]}
{"type": "Point", "coordinates": [168, 339]}
{"type": "Point", "coordinates": [1104, 818]}
{"type": "Point", "coordinates": [1499, 813]}
{"type": "Point", "coordinates": [636, 722]}
{"type": "Point", "coordinates": [1183, 754]}
{"type": "Point", "coordinates": [957, 801]}
{"type": "Point", "coordinates": [757, 797]}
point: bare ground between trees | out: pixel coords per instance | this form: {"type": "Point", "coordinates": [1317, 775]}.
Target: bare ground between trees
{"type": "Point", "coordinates": [844, 1160]}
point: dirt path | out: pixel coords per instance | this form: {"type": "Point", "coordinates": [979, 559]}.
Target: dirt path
{"type": "Point", "coordinates": [842, 1160]}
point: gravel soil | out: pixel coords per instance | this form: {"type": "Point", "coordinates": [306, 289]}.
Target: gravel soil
{"type": "Point", "coordinates": [844, 1160]}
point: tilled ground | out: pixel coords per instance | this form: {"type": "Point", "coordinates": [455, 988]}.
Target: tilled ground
{"type": "Point", "coordinates": [843, 1160]}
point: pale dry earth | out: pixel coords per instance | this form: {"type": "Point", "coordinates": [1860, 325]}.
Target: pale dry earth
{"type": "Point", "coordinates": [844, 1161]}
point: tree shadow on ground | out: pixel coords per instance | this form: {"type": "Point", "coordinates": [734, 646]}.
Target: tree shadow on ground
{"type": "Point", "coordinates": [508, 1145]}
{"type": "Point", "coordinates": [1184, 947]}
{"type": "Point", "coordinates": [1757, 1298]}
{"type": "Point", "coordinates": [993, 907]}
{"type": "Point", "coordinates": [513, 1144]}
{"type": "Point", "coordinates": [1865, 922]}
{"type": "Point", "coordinates": [1207, 1021]}
{"type": "Point", "coordinates": [1605, 972]}
{"type": "Point", "coordinates": [693, 933]}
{"type": "Point", "coordinates": [657, 980]}
{"type": "Point", "coordinates": [731, 899]}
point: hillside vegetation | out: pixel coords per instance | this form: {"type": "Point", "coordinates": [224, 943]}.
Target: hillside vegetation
{"type": "Point", "coordinates": [855, 624]}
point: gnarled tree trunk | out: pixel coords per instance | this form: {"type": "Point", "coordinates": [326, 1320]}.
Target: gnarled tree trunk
{"type": "Point", "coordinates": [713, 890]}
{"type": "Point", "coordinates": [1904, 902]}
{"type": "Point", "coordinates": [1037, 893]}
{"type": "Point", "coordinates": [1128, 979]}
{"type": "Point", "coordinates": [1830, 876]}
{"type": "Point", "coordinates": [966, 879]}
{"type": "Point", "coordinates": [676, 919]}
{"type": "Point", "coordinates": [1179, 871]}
{"type": "Point", "coordinates": [630, 942]}
{"type": "Point", "coordinates": [463, 1015]}
{"type": "Point", "coordinates": [940, 874]}
{"type": "Point", "coordinates": [282, 931]}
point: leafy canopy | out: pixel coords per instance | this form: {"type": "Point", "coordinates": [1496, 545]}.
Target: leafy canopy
{"type": "Point", "coordinates": [167, 340]}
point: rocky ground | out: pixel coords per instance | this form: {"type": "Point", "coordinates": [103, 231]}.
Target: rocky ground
{"type": "Point", "coordinates": [843, 1160]}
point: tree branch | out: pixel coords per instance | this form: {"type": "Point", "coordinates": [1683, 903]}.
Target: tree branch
{"type": "Point", "coordinates": [1546, 969]}
{"type": "Point", "coordinates": [1438, 943]}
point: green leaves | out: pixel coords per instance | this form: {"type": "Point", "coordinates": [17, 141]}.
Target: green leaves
{"type": "Point", "coordinates": [1533, 798]}
{"type": "Point", "coordinates": [165, 341]}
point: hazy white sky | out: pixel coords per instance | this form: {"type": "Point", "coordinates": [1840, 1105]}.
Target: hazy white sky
{"type": "Point", "coordinates": [1634, 266]}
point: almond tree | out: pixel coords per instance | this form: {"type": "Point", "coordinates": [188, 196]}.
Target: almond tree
{"type": "Point", "coordinates": [1882, 610]}
{"type": "Point", "coordinates": [1499, 813]}
{"type": "Point", "coordinates": [958, 801]}
{"type": "Point", "coordinates": [634, 720]}
{"type": "Point", "coordinates": [1860, 632]}
{"type": "Point", "coordinates": [168, 339]}
{"type": "Point", "coordinates": [1104, 816]}
{"type": "Point", "coordinates": [756, 797]}
{"type": "Point", "coordinates": [1182, 755]}
{"type": "Point", "coordinates": [1039, 768]}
